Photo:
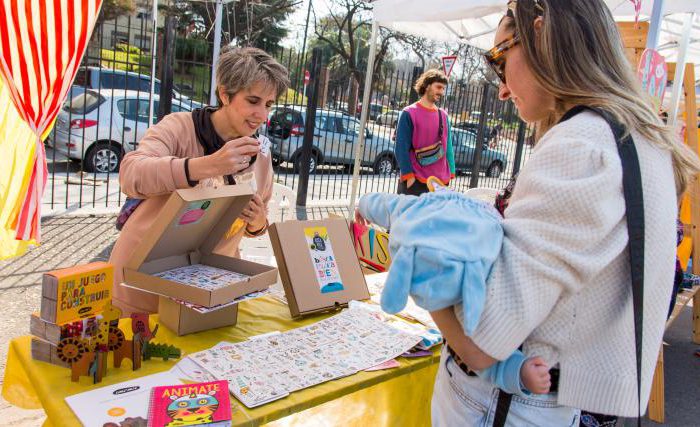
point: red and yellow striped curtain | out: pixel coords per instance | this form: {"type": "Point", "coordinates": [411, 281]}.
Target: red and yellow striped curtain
{"type": "Point", "coordinates": [41, 45]}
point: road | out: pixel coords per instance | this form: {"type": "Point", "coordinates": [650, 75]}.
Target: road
{"type": "Point", "coordinates": [68, 189]}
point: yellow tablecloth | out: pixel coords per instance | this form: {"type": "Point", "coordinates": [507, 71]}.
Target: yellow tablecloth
{"type": "Point", "coordinates": [399, 396]}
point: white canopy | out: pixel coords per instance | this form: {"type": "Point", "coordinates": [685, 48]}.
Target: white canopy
{"type": "Point", "coordinates": [475, 21]}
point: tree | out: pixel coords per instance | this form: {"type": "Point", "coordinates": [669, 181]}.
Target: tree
{"type": "Point", "coordinates": [423, 48]}
{"type": "Point", "coordinates": [473, 67]}
{"type": "Point", "coordinates": [111, 9]}
{"type": "Point", "coordinates": [245, 22]}
{"type": "Point", "coordinates": [344, 34]}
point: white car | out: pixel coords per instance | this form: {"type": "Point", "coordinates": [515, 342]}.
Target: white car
{"type": "Point", "coordinates": [100, 128]}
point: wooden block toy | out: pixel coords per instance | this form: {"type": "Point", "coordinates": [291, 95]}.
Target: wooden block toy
{"type": "Point", "coordinates": [46, 352]}
{"type": "Point", "coordinates": [129, 349]}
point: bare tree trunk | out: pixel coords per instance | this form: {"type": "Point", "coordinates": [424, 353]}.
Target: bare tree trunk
{"type": "Point", "coordinates": [352, 98]}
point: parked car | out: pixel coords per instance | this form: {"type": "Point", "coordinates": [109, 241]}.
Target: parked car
{"type": "Point", "coordinates": [335, 136]}
{"type": "Point", "coordinates": [100, 128]}
{"type": "Point", "coordinates": [472, 126]}
{"type": "Point", "coordinates": [106, 79]}
{"type": "Point", "coordinates": [389, 118]}
{"type": "Point", "coordinates": [493, 162]}
{"type": "Point", "coordinates": [339, 106]}
{"type": "Point", "coordinates": [374, 110]}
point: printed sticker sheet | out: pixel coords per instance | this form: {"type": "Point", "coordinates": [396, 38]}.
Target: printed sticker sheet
{"type": "Point", "coordinates": [375, 284]}
{"type": "Point", "coordinates": [267, 368]}
{"type": "Point", "coordinates": [202, 276]}
{"type": "Point", "coordinates": [204, 310]}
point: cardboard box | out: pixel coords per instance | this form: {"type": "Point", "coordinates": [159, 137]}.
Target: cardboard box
{"type": "Point", "coordinates": [183, 320]}
{"type": "Point", "coordinates": [300, 265]}
{"type": "Point", "coordinates": [186, 232]}
{"type": "Point", "coordinates": [75, 293]}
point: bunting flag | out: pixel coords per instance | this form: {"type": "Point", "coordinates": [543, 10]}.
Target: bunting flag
{"type": "Point", "coordinates": [41, 45]}
{"type": "Point", "coordinates": [17, 154]}
{"type": "Point", "coordinates": [637, 9]}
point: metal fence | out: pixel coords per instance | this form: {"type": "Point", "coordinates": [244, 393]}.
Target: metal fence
{"type": "Point", "coordinates": [109, 109]}
{"type": "Point", "coordinates": [481, 125]}
{"type": "Point", "coordinates": [110, 106]}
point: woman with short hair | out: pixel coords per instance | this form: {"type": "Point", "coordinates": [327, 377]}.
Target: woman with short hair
{"type": "Point", "coordinates": [204, 148]}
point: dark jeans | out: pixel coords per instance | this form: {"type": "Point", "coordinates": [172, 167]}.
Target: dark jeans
{"type": "Point", "coordinates": [416, 189]}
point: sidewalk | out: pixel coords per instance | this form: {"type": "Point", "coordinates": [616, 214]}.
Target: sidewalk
{"type": "Point", "coordinates": [70, 240]}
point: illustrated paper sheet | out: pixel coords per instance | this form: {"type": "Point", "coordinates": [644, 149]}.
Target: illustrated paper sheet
{"type": "Point", "coordinates": [202, 276]}
{"type": "Point", "coordinates": [264, 369]}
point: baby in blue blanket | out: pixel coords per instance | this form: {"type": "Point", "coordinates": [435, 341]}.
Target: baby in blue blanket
{"type": "Point", "coordinates": [443, 245]}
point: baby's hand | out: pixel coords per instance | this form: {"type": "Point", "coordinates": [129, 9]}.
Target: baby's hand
{"type": "Point", "coordinates": [535, 375]}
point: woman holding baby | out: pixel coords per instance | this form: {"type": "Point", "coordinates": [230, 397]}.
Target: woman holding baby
{"type": "Point", "coordinates": [561, 286]}
{"type": "Point", "coordinates": [205, 148]}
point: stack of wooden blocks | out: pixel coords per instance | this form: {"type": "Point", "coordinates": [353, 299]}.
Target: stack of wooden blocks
{"type": "Point", "coordinates": [71, 299]}
{"type": "Point", "coordinates": [45, 338]}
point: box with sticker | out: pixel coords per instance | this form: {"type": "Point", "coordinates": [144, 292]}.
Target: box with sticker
{"type": "Point", "coordinates": [178, 258]}
{"type": "Point", "coordinates": [318, 265]}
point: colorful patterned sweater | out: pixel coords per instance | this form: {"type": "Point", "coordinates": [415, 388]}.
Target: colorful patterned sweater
{"type": "Point", "coordinates": [418, 127]}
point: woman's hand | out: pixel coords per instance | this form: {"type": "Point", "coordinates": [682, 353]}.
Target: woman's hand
{"type": "Point", "coordinates": [232, 158]}
{"type": "Point", "coordinates": [255, 214]}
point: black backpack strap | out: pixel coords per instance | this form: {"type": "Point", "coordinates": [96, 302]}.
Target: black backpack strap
{"type": "Point", "coordinates": [502, 408]}
{"type": "Point", "coordinates": [634, 211]}
{"type": "Point", "coordinates": [440, 125]}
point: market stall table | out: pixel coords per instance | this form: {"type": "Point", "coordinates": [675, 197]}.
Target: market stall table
{"type": "Point", "coordinates": [399, 396]}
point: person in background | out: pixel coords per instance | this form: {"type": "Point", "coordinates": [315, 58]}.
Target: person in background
{"type": "Point", "coordinates": [423, 138]}
{"type": "Point", "coordinates": [205, 148]}
{"type": "Point", "coordinates": [493, 136]}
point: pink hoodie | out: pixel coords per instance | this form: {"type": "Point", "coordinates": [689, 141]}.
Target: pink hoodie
{"type": "Point", "coordinates": [152, 172]}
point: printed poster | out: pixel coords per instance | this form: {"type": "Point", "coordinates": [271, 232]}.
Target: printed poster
{"type": "Point", "coordinates": [323, 259]}
{"type": "Point", "coordinates": [270, 367]}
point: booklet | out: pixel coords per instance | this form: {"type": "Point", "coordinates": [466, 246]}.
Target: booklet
{"type": "Point", "coordinates": [116, 403]}
{"type": "Point", "coordinates": [205, 403]}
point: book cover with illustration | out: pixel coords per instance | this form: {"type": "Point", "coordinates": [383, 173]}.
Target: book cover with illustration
{"type": "Point", "coordinates": [121, 404]}
{"type": "Point", "coordinates": [76, 293]}
{"type": "Point", "coordinates": [190, 405]}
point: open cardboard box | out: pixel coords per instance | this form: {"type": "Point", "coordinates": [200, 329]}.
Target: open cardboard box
{"type": "Point", "coordinates": [186, 232]}
{"type": "Point", "coordinates": [183, 320]}
{"type": "Point", "coordinates": [305, 294]}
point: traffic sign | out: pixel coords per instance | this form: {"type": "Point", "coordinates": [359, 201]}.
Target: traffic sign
{"type": "Point", "coordinates": [447, 63]}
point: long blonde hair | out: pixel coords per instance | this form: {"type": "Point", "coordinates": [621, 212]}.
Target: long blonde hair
{"type": "Point", "coordinates": [578, 57]}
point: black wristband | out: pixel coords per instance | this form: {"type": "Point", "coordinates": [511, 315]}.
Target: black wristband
{"type": "Point", "coordinates": [257, 233]}
{"type": "Point", "coordinates": [190, 182]}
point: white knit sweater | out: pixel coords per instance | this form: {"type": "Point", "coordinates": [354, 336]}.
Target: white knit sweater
{"type": "Point", "coordinates": [562, 282]}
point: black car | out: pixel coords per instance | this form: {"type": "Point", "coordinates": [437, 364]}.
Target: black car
{"type": "Point", "coordinates": [472, 127]}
